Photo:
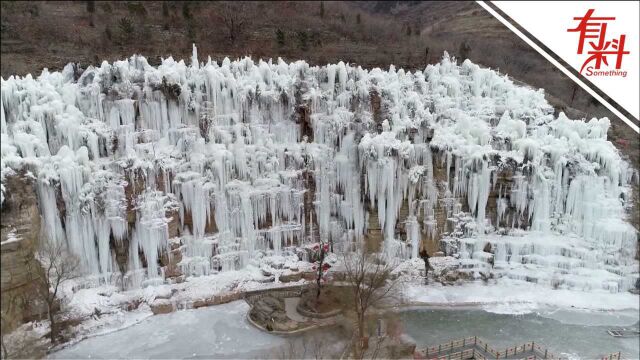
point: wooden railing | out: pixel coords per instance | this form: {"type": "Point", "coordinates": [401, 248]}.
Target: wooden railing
{"type": "Point", "coordinates": [613, 356]}
{"type": "Point", "coordinates": [480, 348]}
{"type": "Point", "coordinates": [454, 344]}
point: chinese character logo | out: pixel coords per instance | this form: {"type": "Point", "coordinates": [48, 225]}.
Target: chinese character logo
{"type": "Point", "coordinates": [593, 30]}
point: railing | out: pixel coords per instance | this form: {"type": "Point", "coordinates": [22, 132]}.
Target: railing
{"type": "Point", "coordinates": [613, 356]}
{"type": "Point", "coordinates": [480, 350]}
{"type": "Point", "coordinates": [454, 344]}
{"type": "Point", "coordinates": [519, 349]}
{"type": "Point", "coordinates": [543, 352]}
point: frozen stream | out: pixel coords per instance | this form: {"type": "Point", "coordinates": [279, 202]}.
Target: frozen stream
{"type": "Point", "coordinates": [572, 334]}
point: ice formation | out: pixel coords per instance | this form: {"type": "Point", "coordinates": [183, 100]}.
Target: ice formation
{"type": "Point", "coordinates": [247, 158]}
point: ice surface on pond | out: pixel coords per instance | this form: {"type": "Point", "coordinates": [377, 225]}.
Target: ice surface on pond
{"type": "Point", "coordinates": [214, 332]}
{"type": "Point", "coordinates": [588, 340]}
{"type": "Point", "coordinates": [231, 150]}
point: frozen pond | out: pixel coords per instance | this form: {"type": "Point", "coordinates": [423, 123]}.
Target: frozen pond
{"type": "Point", "coordinates": [223, 332]}
{"type": "Point", "coordinates": [573, 334]}
{"type": "Point", "coordinates": [219, 332]}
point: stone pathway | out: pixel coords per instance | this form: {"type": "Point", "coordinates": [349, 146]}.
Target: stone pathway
{"type": "Point", "coordinates": [290, 308]}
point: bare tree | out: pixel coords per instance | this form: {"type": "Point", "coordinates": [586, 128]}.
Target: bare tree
{"type": "Point", "coordinates": [322, 268]}
{"type": "Point", "coordinates": [303, 348]}
{"type": "Point", "coordinates": [235, 17]}
{"type": "Point", "coordinates": [57, 267]}
{"type": "Point", "coordinates": [311, 346]}
{"type": "Point", "coordinates": [371, 283]}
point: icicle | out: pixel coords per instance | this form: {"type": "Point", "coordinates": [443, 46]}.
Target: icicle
{"type": "Point", "coordinates": [222, 143]}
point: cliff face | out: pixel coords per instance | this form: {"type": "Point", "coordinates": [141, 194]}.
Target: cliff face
{"type": "Point", "coordinates": [19, 236]}
{"type": "Point", "coordinates": [151, 174]}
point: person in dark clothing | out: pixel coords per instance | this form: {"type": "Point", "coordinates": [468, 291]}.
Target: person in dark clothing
{"type": "Point", "coordinates": [425, 257]}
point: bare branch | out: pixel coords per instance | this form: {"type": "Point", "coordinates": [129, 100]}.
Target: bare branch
{"type": "Point", "coordinates": [371, 284]}
{"type": "Point", "coordinates": [57, 267]}
{"type": "Point", "coordinates": [235, 17]}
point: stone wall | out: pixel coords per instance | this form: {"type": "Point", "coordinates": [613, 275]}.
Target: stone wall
{"type": "Point", "coordinates": [19, 233]}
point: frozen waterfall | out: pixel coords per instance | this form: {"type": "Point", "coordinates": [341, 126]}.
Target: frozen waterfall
{"type": "Point", "coordinates": [229, 160]}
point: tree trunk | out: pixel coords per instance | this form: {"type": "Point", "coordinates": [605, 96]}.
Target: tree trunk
{"type": "Point", "coordinates": [5, 354]}
{"type": "Point", "coordinates": [320, 270]}
{"type": "Point", "coordinates": [362, 342]}
{"type": "Point", "coordinates": [52, 324]}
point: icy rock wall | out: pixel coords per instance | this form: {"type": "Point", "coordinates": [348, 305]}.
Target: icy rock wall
{"type": "Point", "coordinates": [234, 159]}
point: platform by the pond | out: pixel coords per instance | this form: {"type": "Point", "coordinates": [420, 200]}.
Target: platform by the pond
{"type": "Point", "coordinates": [475, 348]}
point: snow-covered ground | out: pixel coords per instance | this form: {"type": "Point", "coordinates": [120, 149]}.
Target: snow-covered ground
{"type": "Point", "coordinates": [505, 295]}
{"type": "Point", "coordinates": [106, 320]}
{"type": "Point", "coordinates": [252, 277]}
{"type": "Point", "coordinates": [513, 296]}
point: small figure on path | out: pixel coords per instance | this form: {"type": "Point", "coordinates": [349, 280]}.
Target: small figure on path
{"type": "Point", "coordinates": [425, 256]}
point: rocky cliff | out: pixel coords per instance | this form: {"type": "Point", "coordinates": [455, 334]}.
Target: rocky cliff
{"type": "Point", "coordinates": [154, 173]}
{"type": "Point", "coordinates": [19, 236]}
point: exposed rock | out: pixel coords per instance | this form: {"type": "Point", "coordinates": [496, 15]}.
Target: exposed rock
{"type": "Point", "coordinates": [161, 306]}
{"type": "Point", "coordinates": [131, 305]}
{"type": "Point", "coordinates": [170, 261]}
{"type": "Point", "coordinates": [291, 277]}
{"type": "Point", "coordinates": [266, 272]}
{"type": "Point", "coordinates": [205, 302]}
{"type": "Point", "coordinates": [172, 271]}
{"type": "Point", "coordinates": [217, 299]}
{"type": "Point", "coordinates": [19, 232]}
{"type": "Point", "coordinates": [268, 279]}
{"type": "Point", "coordinates": [269, 312]}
